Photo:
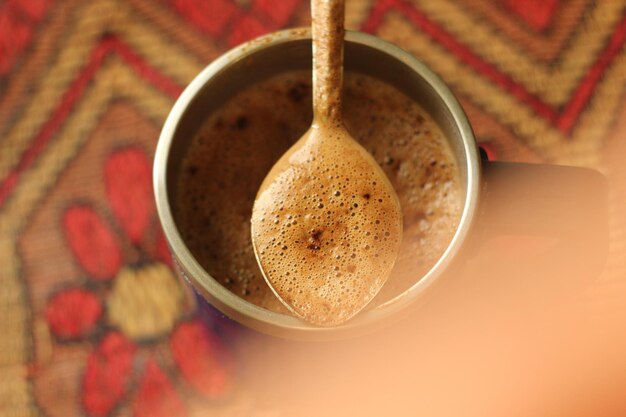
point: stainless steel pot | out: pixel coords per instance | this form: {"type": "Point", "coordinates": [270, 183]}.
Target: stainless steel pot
{"type": "Point", "coordinates": [291, 50]}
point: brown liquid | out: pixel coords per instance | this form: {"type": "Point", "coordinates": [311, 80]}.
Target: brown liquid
{"type": "Point", "coordinates": [229, 158]}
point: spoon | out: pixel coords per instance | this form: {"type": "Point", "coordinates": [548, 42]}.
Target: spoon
{"type": "Point", "coordinates": [326, 224]}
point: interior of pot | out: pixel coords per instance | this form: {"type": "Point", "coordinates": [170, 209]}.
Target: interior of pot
{"type": "Point", "coordinates": [246, 66]}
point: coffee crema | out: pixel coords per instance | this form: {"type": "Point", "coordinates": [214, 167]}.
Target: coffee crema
{"type": "Point", "coordinates": [238, 144]}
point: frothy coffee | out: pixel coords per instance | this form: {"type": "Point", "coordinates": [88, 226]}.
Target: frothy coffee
{"type": "Point", "coordinates": [327, 227]}
{"type": "Point", "coordinates": [238, 144]}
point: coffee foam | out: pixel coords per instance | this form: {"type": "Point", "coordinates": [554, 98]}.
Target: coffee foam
{"type": "Point", "coordinates": [327, 228]}
{"type": "Point", "coordinates": [241, 141]}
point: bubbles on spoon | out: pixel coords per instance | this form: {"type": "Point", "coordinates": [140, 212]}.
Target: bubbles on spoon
{"type": "Point", "coordinates": [336, 225]}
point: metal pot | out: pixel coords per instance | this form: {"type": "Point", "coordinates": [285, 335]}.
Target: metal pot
{"type": "Point", "coordinates": [291, 50]}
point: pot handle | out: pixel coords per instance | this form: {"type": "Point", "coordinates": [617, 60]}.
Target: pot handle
{"type": "Point", "coordinates": [567, 203]}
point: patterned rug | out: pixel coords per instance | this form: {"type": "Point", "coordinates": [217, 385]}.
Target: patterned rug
{"type": "Point", "coordinates": [92, 319]}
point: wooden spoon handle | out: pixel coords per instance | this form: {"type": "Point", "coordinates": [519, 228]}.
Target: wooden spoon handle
{"type": "Point", "coordinates": [328, 33]}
